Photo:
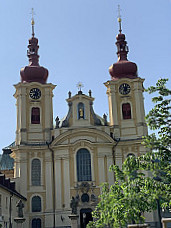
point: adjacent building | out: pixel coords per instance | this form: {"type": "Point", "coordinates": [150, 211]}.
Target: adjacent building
{"type": "Point", "coordinates": [9, 198]}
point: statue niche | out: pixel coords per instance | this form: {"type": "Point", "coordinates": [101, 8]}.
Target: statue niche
{"type": "Point", "coordinates": [80, 110]}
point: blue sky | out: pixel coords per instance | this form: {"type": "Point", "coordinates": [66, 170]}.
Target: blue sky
{"type": "Point", "coordinates": [77, 43]}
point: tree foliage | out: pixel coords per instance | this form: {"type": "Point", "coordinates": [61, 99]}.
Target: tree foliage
{"type": "Point", "coordinates": [159, 143]}
{"type": "Point", "coordinates": [145, 179]}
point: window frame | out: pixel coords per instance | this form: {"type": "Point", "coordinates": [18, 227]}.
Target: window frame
{"type": "Point", "coordinates": [83, 173]}
{"type": "Point", "coordinates": [39, 206]}
{"type": "Point", "coordinates": [35, 118]}
{"type": "Point", "coordinates": [33, 182]}
{"type": "Point", "coordinates": [125, 115]}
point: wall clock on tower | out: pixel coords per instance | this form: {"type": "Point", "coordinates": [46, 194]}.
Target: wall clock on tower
{"type": "Point", "coordinates": [35, 93]}
{"type": "Point", "coordinates": [124, 89]}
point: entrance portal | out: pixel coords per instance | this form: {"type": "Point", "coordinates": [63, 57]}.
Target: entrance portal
{"type": "Point", "coordinates": [85, 217]}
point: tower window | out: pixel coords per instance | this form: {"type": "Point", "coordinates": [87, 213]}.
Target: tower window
{"type": "Point", "coordinates": [83, 165]}
{"type": "Point", "coordinates": [35, 115]}
{"type": "Point", "coordinates": [80, 110]}
{"type": "Point", "coordinates": [36, 204]}
{"type": "Point", "coordinates": [36, 172]}
{"type": "Point", "coordinates": [126, 111]}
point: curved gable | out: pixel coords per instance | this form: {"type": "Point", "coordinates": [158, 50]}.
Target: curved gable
{"type": "Point", "coordinates": [72, 136]}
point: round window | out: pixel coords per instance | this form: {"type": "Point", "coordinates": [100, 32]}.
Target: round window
{"type": "Point", "coordinates": [85, 198]}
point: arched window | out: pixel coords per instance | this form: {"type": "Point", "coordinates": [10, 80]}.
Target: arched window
{"type": "Point", "coordinates": [83, 165]}
{"type": "Point", "coordinates": [36, 223]}
{"type": "Point", "coordinates": [80, 108]}
{"type": "Point", "coordinates": [36, 204]}
{"type": "Point", "coordinates": [126, 111]}
{"type": "Point", "coordinates": [36, 172]}
{"type": "Point", "coordinates": [35, 115]}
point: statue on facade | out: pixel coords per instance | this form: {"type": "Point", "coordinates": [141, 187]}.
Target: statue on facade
{"type": "Point", "coordinates": [105, 119]}
{"type": "Point", "coordinates": [20, 206]}
{"type": "Point", "coordinates": [57, 122]}
{"type": "Point", "coordinates": [89, 93]}
{"type": "Point", "coordinates": [81, 113]}
{"type": "Point", "coordinates": [74, 204]}
{"type": "Point", "coordinates": [94, 198]}
{"type": "Point", "coordinates": [69, 94]}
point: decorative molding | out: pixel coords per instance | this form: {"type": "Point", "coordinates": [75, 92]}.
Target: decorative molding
{"type": "Point", "coordinates": [84, 187]}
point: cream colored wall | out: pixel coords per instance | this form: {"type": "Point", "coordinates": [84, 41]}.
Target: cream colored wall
{"type": "Point", "coordinates": [135, 127]}
{"type": "Point", "coordinates": [32, 133]}
{"type": "Point", "coordinates": [112, 99]}
{"type": "Point", "coordinates": [48, 174]}
{"type": "Point", "coordinates": [99, 144]}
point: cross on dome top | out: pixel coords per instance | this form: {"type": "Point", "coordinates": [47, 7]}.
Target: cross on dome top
{"type": "Point", "coordinates": [123, 68]}
{"type": "Point", "coordinates": [33, 72]}
{"type": "Point", "coordinates": [119, 19]}
{"type": "Point", "coordinates": [80, 86]}
{"type": "Point", "coordinates": [32, 22]}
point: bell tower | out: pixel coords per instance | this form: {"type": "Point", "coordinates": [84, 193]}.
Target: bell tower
{"type": "Point", "coordinates": [125, 95]}
{"type": "Point", "coordinates": [34, 100]}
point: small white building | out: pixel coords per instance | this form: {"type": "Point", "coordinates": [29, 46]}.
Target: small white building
{"type": "Point", "coordinates": [9, 198]}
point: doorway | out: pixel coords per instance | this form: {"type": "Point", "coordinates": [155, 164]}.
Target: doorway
{"type": "Point", "coordinates": [85, 217]}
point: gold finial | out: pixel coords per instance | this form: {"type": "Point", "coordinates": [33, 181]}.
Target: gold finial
{"type": "Point", "coordinates": [32, 21]}
{"type": "Point", "coordinates": [119, 19]}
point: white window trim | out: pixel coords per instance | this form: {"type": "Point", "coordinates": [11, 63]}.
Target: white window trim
{"type": "Point", "coordinates": [41, 177]}
{"type": "Point", "coordinates": [75, 164]}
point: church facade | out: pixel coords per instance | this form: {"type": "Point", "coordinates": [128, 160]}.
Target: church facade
{"type": "Point", "coordinates": [55, 162]}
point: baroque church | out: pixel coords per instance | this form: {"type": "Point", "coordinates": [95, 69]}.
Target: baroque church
{"type": "Point", "coordinates": [71, 158]}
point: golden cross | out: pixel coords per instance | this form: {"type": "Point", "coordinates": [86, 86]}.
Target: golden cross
{"type": "Point", "coordinates": [80, 85]}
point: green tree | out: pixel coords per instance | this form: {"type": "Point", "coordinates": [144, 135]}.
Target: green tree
{"type": "Point", "coordinates": [159, 119]}
{"type": "Point", "coordinates": [134, 192]}
{"type": "Point", "coordinates": [158, 159]}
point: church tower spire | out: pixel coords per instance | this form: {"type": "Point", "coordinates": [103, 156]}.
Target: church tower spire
{"type": "Point", "coordinates": [33, 72]}
{"type": "Point", "coordinates": [123, 68]}
{"type": "Point", "coordinates": [34, 99]}
{"type": "Point", "coordinates": [125, 94]}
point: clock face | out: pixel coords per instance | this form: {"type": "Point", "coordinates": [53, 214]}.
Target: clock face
{"type": "Point", "coordinates": [35, 93]}
{"type": "Point", "coordinates": [124, 89]}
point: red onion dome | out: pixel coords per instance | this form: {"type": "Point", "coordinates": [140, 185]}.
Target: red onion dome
{"type": "Point", "coordinates": [122, 68]}
{"type": "Point", "coordinates": [33, 72]}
